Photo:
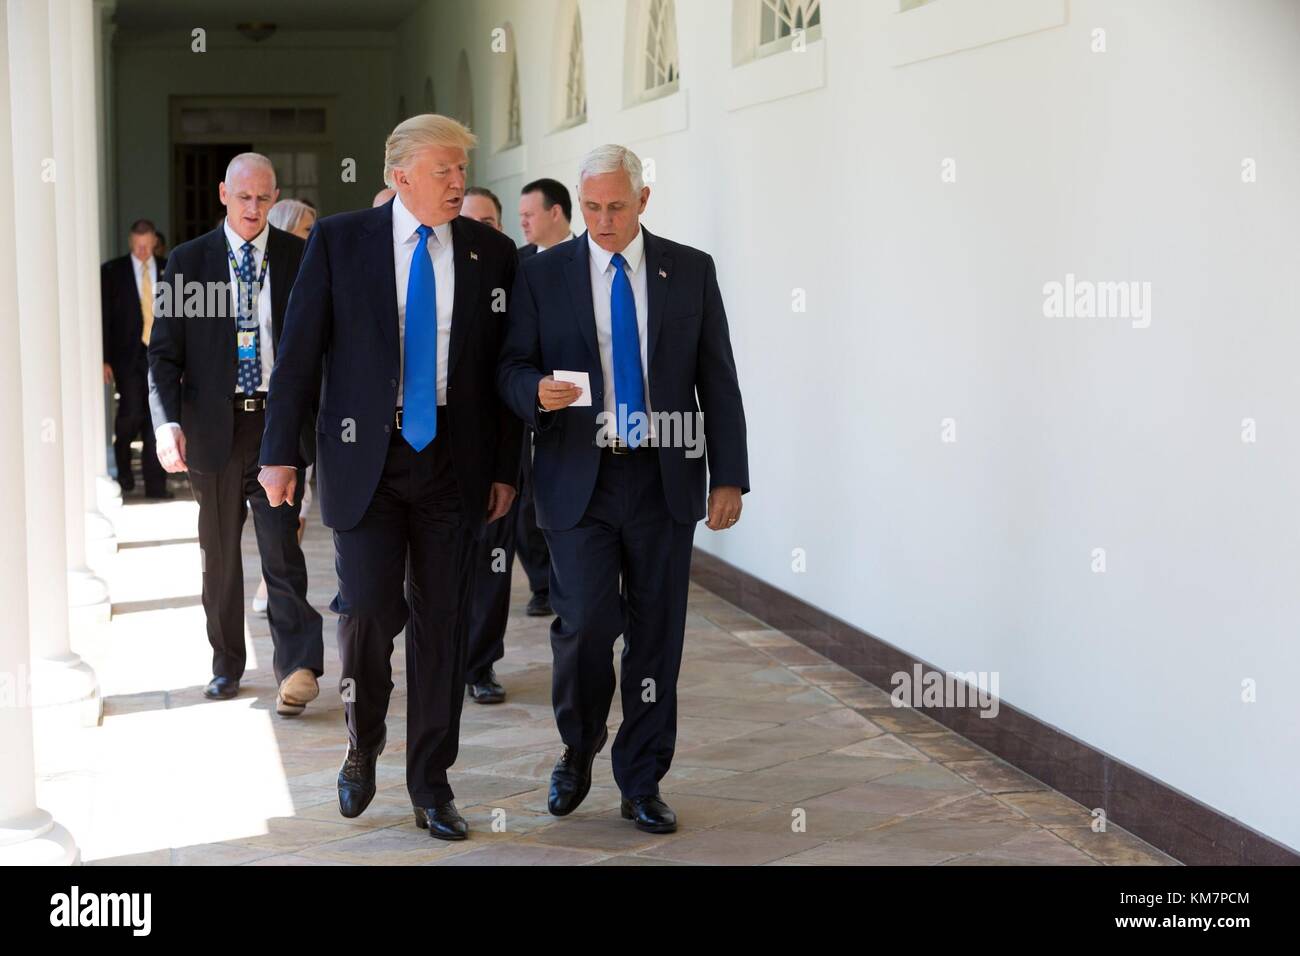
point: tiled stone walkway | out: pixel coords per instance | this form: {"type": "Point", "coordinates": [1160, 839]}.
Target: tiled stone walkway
{"type": "Point", "coordinates": [782, 758]}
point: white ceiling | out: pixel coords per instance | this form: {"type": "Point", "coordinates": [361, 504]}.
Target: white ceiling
{"type": "Point", "coordinates": [286, 14]}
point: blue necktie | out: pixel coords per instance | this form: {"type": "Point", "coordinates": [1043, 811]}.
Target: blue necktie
{"type": "Point", "coordinates": [250, 368]}
{"type": "Point", "coordinates": [629, 386]}
{"type": "Point", "coordinates": [420, 365]}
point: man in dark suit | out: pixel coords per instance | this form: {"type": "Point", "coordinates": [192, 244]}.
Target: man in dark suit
{"type": "Point", "coordinates": [210, 359]}
{"type": "Point", "coordinates": [545, 213]}
{"type": "Point", "coordinates": [126, 287]}
{"type": "Point", "coordinates": [404, 307]}
{"type": "Point", "coordinates": [620, 478]}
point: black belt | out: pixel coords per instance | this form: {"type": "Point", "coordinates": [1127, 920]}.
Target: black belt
{"type": "Point", "coordinates": [397, 417]}
{"type": "Point", "coordinates": [249, 403]}
{"type": "Point", "coordinates": [617, 447]}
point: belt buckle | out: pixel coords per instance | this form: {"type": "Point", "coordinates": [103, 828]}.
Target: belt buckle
{"type": "Point", "coordinates": [399, 419]}
{"type": "Point", "coordinates": [250, 404]}
{"type": "Point", "coordinates": [618, 448]}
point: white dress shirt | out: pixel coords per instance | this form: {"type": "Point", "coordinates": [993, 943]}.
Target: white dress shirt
{"type": "Point", "coordinates": [265, 344]}
{"type": "Point", "coordinates": [542, 248]}
{"type": "Point", "coordinates": [405, 238]}
{"type": "Point", "coordinates": [150, 265]}
{"type": "Point", "coordinates": [602, 284]}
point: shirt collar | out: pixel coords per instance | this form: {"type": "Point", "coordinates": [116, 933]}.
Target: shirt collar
{"type": "Point", "coordinates": [405, 225]}
{"type": "Point", "coordinates": [542, 248]}
{"type": "Point", "coordinates": [237, 242]}
{"type": "Point", "coordinates": [632, 254]}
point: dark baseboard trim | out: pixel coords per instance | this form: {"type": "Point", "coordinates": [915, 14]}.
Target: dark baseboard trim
{"type": "Point", "coordinates": [1168, 819]}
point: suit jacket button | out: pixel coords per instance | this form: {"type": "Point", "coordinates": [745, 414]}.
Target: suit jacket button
{"type": "Point", "coordinates": [387, 429]}
{"type": "Point", "coordinates": [393, 382]}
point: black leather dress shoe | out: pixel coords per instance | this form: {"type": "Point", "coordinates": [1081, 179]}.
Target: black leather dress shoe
{"type": "Point", "coordinates": [650, 813]}
{"type": "Point", "coordinates": [357, 779]}
{"type": "Point", "coordinates": [487, 690]}
{"type": "Point", "coordinates": [442, 820]}
{"type": "Point", "coordinates": [221, 688]}
{"type": "Point", "coordinates": [539, 605]}
{"type": "Point", "coordinates": [571, 778]}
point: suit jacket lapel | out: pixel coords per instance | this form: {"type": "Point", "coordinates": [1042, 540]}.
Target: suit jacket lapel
{"type": "Point", "coordinates": [216, 268]}
{"type": "Point", "coordinates": [465, 254]}
{"type": "Point", "coordinates": [376, 255]}
{"type": "Point", "coordinates": [658, 270]}
{"type": "Point", "coordinates": [578, 273]}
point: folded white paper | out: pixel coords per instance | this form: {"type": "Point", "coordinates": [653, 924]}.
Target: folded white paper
{"type": "Point", "coordinates": [581, 379]}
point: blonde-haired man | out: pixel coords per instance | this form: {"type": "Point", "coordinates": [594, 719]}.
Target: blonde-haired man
{"type": "Point", "coordinates": [399, 313]}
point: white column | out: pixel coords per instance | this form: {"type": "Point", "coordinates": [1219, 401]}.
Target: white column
{"type": "Point", "coordinates": [87, 594]}
{"type": "Point", "coordinates": [108, 495]}
{"type": "Point", "coordinates": [28, 835]}
{"type": "Point", "coordinates": [101, 540]}
{"type": "Point", "coordinates": [63, 686]}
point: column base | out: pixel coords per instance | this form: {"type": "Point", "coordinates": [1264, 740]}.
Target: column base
{"type": "Point", "coordinates": [65, 693]}
{"type": "Point", "coordinates": [101, 536]}
{"type": "Point", "coordinates": [88, 596]}
{"type": "Point", "coordinates": [108, 493]}
{"type": "Point", "coordinates": [36, 840]}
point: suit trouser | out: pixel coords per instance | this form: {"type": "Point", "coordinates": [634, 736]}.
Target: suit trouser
{"type": "Point", "coordinates": [224, 498]}
{"type": "Point", "coordinates": [132, 381]}
{"type": "Point", "coordinates": [489, 606]}
{"type": "Point", "coordinates": [529, 542]}
{"type": "Point", "coordinates": [414, 530]}
{"type": "Point", "coordinates": [623, 569]}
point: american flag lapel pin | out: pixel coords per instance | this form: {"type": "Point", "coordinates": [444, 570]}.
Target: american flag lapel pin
{"type": "Point", "coordinates": [473, 255]}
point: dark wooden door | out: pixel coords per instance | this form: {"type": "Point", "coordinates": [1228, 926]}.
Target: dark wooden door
{"type": "Point", "coordinates": [196, 206]}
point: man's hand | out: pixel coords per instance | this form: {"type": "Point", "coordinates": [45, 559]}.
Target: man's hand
{"type": "Point", "coordinates": [171, 448]}
{"type": "Point", "coordinates": [553, 395]}
{"type": "Point", "coordinates": [724, 507]}
{"type": "Point", "coordinates": [500, 497]}
{"type": "Point", "coordinates": [108, 374]}
{"type": "Point", "coordinates": [280, 482]}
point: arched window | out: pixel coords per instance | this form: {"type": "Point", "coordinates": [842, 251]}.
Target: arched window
{"type": "Point", "coordinates": [514, 121]}
{"type": "Point", "coordinates": [779, 20]}
{"type": "Point", "coordinates": [659, 50]}
{"type": "Point", "coordinates": [506, 122]}
{"type": "Point", "coordinates": [464, 92]}
{"type": "Point", "coordinates": [575, 84]}
{"type": "Point", "coordinates": [430, 104]}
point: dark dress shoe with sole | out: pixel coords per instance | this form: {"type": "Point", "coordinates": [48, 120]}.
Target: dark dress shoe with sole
{"type": "Point", "coordinates": [221, 688]}
{"type": "Point", "coordinates": [649, 813]}
{"type": "Point", "coordinates": [487, 690]}
{"type": "Point", "coordinates": [442, 820]}
{"type": "Point", "coordinates": [357, 779]}
{"type": "Point", "coordinates": [539, 605]}
{"type": "Point", "coordinates": [571, 778]}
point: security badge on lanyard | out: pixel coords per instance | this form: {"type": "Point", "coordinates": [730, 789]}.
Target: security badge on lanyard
{"type": "Point", "coordinates": [246, 321]}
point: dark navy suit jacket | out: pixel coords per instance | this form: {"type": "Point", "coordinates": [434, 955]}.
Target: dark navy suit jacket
{"type": "Point", "coordinates": [341, 324]}
{"type": "Point", "coordinates": [688, 347]}
{"type": "Point", "coordinates": [121, 317]}
{"type": "Point", "coordinates": [193, 359]}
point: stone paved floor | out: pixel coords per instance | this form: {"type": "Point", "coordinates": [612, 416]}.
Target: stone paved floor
{"type": "Point", "coordinates": [770, 735]}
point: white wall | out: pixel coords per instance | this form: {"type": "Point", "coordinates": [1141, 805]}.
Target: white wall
{"type": "Point", "coordinates": [925, 303]}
